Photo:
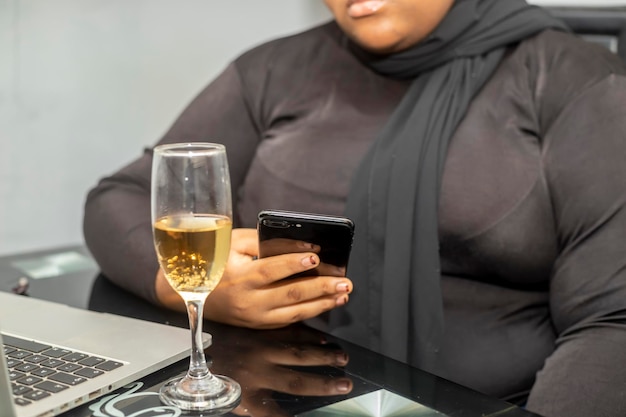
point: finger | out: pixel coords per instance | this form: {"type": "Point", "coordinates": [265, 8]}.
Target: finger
{"type": "Point", "coordinates": [305, 355]}
{"type": "Point", "coordinates": [245, 241]}
{"type": "Point", "coordinates": [279, 316]}
{"type": "Point", "coordinates": [294, 382]}
{"type": "Point", "coordinates": [279, 246]}
{"type": "Point", "coordinates": [310, 288]}
{"type": "Point", "coordinates": [330, 270]}
{"type": "Point", "coordinates": [276, 268]}
{"type": "Point", "coordinates": [299, 299]}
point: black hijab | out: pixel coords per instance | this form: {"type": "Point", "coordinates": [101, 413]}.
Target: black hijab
{"type": "Point", "coordinates": [397, 307]}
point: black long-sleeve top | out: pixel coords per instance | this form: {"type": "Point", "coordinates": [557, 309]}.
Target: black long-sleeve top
{"type": "Point", "coordinates": [532, 217]}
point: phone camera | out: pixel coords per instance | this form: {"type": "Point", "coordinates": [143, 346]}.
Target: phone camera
{"type": "Point", "coordinates": [277, 224]}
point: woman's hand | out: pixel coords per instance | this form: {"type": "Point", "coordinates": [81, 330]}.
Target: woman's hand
{"type": "Point", "coordinates": [253, 292]}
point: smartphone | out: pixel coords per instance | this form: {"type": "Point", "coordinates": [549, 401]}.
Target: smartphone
{"type": "Point", "coordinates": [277, 229]}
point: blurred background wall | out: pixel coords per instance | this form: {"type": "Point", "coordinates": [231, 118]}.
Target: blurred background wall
{"type": "Point", "coordinates": [85, 85]}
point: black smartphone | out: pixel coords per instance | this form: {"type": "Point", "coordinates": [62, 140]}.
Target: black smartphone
{"type": "Point", "coordinates": [333, 234]}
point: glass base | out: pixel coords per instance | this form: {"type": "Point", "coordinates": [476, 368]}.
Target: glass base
{"type": "Point", "coordinates": [213, 395]}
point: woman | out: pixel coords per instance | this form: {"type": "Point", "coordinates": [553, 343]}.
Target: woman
{"type": "Point", "coordinates": [479, 149]}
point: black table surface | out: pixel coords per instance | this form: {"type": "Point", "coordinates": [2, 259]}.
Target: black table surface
{"type": "Point", "coordinates": [255, 358]}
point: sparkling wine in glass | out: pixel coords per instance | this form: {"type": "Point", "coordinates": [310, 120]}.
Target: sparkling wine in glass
{"type": "Point", "coordinates": [192, 221]}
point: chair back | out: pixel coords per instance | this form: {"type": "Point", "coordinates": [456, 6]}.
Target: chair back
{"type": "Point", "coordinates": [604, 25]}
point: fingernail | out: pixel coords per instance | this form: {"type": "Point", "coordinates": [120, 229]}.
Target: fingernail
{"type": "Point", "coordinates": [308, 261]}
{"type": "Point", "coordinates": [342, 300]}
{"type": "Point", "coordinates": [341, 359]}
{"type": "Point", "coordinates": [338, 272]}
{"type": "Point", "coordinates": [343, 287]}
{"type": "Point", "coordinates": [305, 245]}
{"type": "Point", "coordinates": [343, 385]}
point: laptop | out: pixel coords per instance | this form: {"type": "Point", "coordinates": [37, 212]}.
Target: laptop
{"type": "Point", "coordinates": [108, 350]}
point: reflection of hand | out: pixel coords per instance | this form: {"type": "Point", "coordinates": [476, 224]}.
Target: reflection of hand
{"type": "Point", "coordinates": [279, 246]}
{"type": "Point", "coordinates": [260, 362]}
{"type": "Point", "coordinates": [254, 293]}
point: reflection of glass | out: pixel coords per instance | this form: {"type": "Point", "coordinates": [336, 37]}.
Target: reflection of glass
{"type": "Point", "coordinates": [192, 222]}
{"type": "Point", "coordinates": [381, 403]}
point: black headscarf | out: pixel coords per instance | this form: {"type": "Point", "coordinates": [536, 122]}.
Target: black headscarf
{"type": "Point", "coordinates": [397, 307]}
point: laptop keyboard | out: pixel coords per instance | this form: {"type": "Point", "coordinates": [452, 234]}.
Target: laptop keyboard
{"type": "Point", "coordinates": [37, 370]}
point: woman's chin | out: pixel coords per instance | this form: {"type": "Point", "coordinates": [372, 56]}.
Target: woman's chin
{"type": "Point", "coordinates": [379, 46]}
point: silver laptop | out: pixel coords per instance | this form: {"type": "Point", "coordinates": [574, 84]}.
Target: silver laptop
{"type": "Point", "coordinates": [109, 350]}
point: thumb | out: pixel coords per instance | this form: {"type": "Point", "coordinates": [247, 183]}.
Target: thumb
{"type": "Point", "coordinates": [245, 241]}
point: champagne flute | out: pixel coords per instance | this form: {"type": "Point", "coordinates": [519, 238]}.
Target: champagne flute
{"type": "Point", "coordinates": [192, 221]}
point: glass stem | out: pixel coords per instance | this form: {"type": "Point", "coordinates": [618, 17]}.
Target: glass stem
{"type": "Point", "coordinates": [197, 365]}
